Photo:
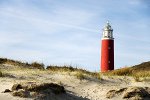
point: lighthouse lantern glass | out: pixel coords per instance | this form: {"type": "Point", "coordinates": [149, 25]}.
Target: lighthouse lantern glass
{"type": "Point", "coordinates": [107, 32]}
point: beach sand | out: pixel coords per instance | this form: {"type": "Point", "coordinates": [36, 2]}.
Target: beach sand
{"type": "Point", "coordinates": [88, 88]}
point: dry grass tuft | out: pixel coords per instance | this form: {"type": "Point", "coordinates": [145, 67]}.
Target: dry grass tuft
{"type": "Point", "coordinates": [60, 68]}
{"type": "Point", "coordinates": [19, 64]}
{"type": "Point", "coordinates": [13, 62]}
{"type": "Point", "coordinates": [98, 76]}
{"type": "Point", "coordinates": [120, 72]}
{"type": "Point", "coordinates": [80, 75]}
{"type": "Point", "coordinates": [129, 71]}
{"type": "Point", "coordinates": [141, 73]}
{"type": "Point", "coordinates": [65, 68]}
{"type": "Point", "coordinates": [37, 65]}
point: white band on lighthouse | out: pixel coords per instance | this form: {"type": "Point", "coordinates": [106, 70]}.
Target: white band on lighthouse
{"type": "Point", "coordinates": [107, 38]}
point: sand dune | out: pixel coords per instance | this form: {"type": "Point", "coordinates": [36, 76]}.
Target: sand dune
{"type": "Point", "coordinates": [89, 88]}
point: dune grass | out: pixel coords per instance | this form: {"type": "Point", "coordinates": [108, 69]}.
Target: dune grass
{"type": "Point", "coordinates": [80, 75]}
{"type": "Point", "coordinates": [65, 68]}
{"type": "Point", "coordinates": [34, 65]}
{"type": "Point", "coordinates": [138, 75]}
{"type": "Point", "coordinates": [128, 72]}
{"type": "Point", "coordinates": [120, 72]}
{"type": "Point", "coordinates": [140, 70]}
{"type": "Point", "coordinates": [137, 71]}
{"type": "Point", "coordinates": [37, 65]}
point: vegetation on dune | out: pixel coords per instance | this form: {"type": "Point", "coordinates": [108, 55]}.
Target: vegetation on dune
{"type": "Point", "coordinates": [34, 65]}
{"type": "Point", "coordinates": [37, 65]}
{"type": "Point", "coordinates": [18, 65]}
{"type": "Point", "coordinates": [145, 66]}
{"type": "Point", "coordinates": [13, 62]}
{"type": "Point", "coordinates": [65, 68]}
{"type": "Point", "coordinates": [80, 75]}
{"type": "Point", "coordinates": [121, 72]}
{"type": "Point", "coordinates": [141, 70]}
{"type": "Point", "coordinates": [98, 76]}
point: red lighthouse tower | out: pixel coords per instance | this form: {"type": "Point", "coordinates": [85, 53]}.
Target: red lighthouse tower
{"type": "Point", "coordinates": [107, 49]}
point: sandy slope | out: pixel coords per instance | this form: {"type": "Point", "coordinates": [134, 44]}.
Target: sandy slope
{"type": "Point", "coordinates": [87, 89]}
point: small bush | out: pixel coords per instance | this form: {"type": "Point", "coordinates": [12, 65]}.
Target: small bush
{"type": "Point", "coordinates": [37, 65]}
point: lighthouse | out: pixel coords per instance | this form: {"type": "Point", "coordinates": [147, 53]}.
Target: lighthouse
{"type": "Point", "coordinates": [107, 49]}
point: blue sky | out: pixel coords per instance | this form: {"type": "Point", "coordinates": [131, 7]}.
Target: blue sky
{"type": "Point", "coordinates": [69, 31]}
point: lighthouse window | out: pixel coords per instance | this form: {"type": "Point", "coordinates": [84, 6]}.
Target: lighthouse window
{"type": "Point", "coordinates": [109, 47]}
{"type": "Point", "coordinates": [108, 61]}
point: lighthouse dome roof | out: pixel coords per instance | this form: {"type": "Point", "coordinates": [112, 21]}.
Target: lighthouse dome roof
{"type": "Point", "coordinates": [108, 26]}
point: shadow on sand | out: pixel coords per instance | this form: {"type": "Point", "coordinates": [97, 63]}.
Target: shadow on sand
{"type": "Point", "coordinates": [64, 96]}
